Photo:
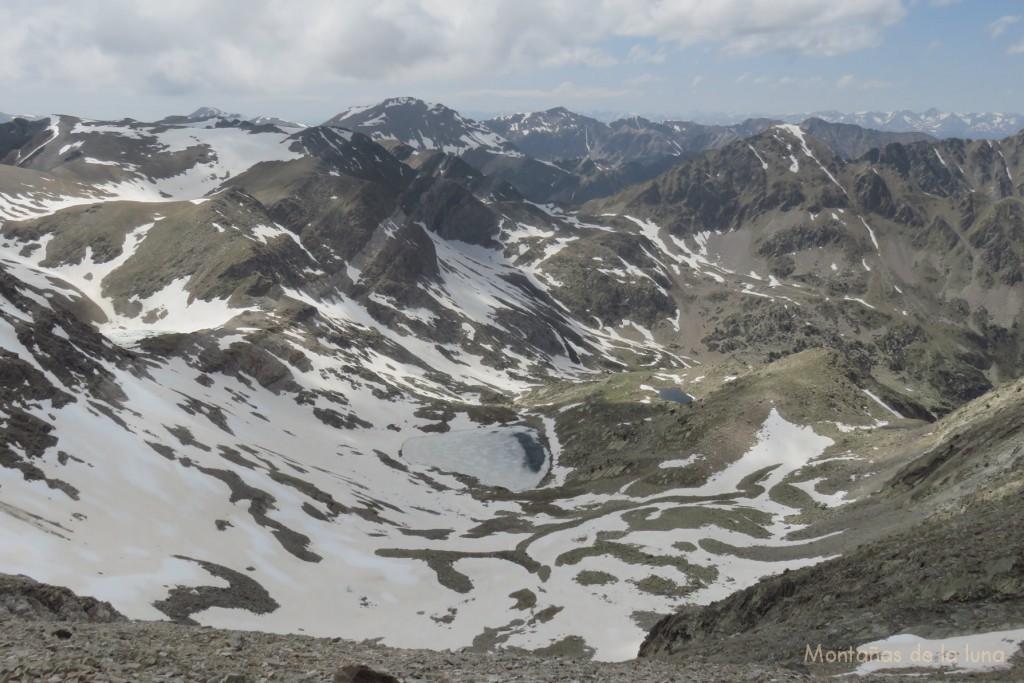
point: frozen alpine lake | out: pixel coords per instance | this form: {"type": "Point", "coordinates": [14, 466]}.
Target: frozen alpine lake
{"type": "Point", "coordinates": [511, 457]}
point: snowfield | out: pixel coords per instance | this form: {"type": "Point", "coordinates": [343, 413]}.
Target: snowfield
{"type": "Point", "coordinates": [327, 489]}
{"type": "Point", "coordinates": [141, 509]}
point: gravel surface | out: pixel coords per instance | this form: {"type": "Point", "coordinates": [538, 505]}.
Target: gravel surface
{"type": "Point", "coordinates": [49, 634]}
{"type": "Point", "coordinates": [162, 651]}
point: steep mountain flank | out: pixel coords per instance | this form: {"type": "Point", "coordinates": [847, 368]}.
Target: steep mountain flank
{"type": "Point", "coordinates": [918, 238]}
{"type": "Point", "coordinates": [552, 135]}
{"type": "Point", "coordinates": [559, 135]}
{"type": "Point", "coordinates": [852, 142]}
{"type": "Point", "coordinates": [16, 136]}
{"type": "Point", "coordinates": [935, 551]}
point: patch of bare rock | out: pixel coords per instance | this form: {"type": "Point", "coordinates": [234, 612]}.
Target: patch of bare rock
{"type": "Point", "coordinates": [126, 652]}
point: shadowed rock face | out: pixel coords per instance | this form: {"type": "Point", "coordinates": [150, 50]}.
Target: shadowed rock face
{"type": "Point", "coordinates": [852, 141]}
{"type": "Point", "coordinates": [17, 134]}
{"type": "Point", "coordinates": [23, 598]}
{"type": "Point", "coordinates": [452, 211]}
{"type": "Point", "coordinates": [360, 673]}
{"type": "Point", "coordinates": [928, 581]}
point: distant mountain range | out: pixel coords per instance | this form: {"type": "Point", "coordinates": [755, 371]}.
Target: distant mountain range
{"type": "Point", "coordinates": [5, 118]}
{"type": "Point", "coordinates": [941, 124]}
{"type": "Point", "coordinates": [561, 134]}
{"type": "Point", "coordinates": [211, 113]}
{"type": "Point", "coordinates": [560, 155]}
{"type": "Point", "coordinates": [933, 122]}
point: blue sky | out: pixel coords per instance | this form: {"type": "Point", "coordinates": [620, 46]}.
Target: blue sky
{"type": "Point", "coordinates": [308, 59]}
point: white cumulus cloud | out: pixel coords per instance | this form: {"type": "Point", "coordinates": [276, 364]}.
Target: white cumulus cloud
{"type": "Point", "coordinates": [281, 46]}
{"type": "Point", "coordinates": [752, 27]}
{"type": "Point", "coordinates": [999, 26]}
{"type": "Point", "coordinates": [848, 81]}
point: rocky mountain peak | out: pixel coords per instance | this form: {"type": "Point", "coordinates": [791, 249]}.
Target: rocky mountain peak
{"type": "Point", "coordinates": [422, 126]}
{"type": "Point", "coordinates": [212, 112]}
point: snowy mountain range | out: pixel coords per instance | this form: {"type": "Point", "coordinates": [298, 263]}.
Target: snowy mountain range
{"type": "Point", "coordinates": [940, 124]}
{"type": "Point", "coordinates": [934, 122]}
{"type": "Point", "coordinates": [422, 126]}
{"type": "Point", "coordinates": [981, 125]}
{"type": "Point", "coordinates": [208, 113]}
{"type": "Point", "coordinates": [369, 379]}
{"type": "Point", "coordinates": [4, 118]}
{"type": "Point", "coordinates": [559, 134]}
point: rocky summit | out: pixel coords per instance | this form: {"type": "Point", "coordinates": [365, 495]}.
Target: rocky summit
{"type": "Point", "coordinates": [519, 399]}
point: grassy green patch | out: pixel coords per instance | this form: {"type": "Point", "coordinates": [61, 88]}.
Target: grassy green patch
{"type": "Point", "coordinates": [658, 585]}
{"type": "Point", "coordinates": [631, 554]}
{"type": "Point", "coordinates": [744, 520]}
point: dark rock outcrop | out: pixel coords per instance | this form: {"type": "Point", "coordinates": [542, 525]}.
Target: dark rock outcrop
{"type": "Point", "coordinates": [24, 598]}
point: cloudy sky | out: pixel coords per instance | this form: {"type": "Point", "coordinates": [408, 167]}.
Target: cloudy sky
{"type": "Point", "coordinates": [308, 59]}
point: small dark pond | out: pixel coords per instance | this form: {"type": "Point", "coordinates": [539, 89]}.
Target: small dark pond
{"type": "Point", "coordinates": [675, 394]}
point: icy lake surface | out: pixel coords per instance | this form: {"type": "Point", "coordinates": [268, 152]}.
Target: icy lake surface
{"type": "Point", "coordinates": [511, 457]}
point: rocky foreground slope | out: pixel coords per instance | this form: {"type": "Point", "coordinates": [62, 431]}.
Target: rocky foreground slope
{"type": "Point", "coordinates": [53, 635]}
{"type": "Point", "coordinates": [936, 550]}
